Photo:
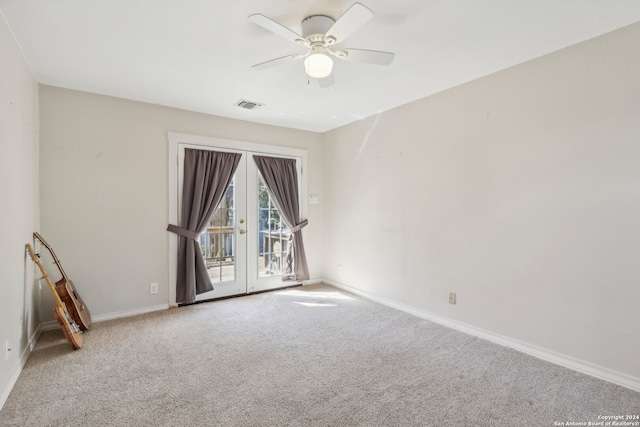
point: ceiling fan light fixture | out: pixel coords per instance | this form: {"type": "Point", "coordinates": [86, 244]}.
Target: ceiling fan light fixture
{"type": "Point", "coordinates": [318, 65]}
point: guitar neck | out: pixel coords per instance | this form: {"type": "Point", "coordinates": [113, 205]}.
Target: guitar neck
{"type": "Point", "coordinates": [36, 260]}
{"type": "Point", "coordinates": [56, 261]}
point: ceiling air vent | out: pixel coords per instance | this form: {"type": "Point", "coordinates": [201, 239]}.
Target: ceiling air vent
{"type": "Point", "coordinates": [249, 105]}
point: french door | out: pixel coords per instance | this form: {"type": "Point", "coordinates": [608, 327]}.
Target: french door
{"type": "Point", "coordinates": [245, 243]}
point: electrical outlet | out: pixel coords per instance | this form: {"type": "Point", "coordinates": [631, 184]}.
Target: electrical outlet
{"type": "Point", "coordinates": [153, 288]}
{"type": "Point", "coordinates": [339, 270]}
{"type": "Point", "coordinates": [452, 297]}
{"type": "Point", "coordinates": [7, 349]}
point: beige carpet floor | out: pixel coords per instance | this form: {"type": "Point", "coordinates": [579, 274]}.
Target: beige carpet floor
{"type": "Point", "coordinates": [306, 356]}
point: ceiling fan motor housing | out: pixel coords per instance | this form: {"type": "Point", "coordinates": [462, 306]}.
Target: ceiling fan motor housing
{"type": "Point", "coordinates": [315, 27]}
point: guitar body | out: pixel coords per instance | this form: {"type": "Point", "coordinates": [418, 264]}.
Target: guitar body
{"type": "Point", "coordinates": [72, 332]}
{"type": "Point", "coordinates": [77, 308]}
{"type": "Point", "coordinates": [68, 293]}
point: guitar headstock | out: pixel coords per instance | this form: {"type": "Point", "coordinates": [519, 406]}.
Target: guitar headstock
{"type": "Point", "coordinates": [41, 240]}
{"type": "Point", "coordinates": [35, 257]}
{"type": "Point", "coordinates": [44, 243]}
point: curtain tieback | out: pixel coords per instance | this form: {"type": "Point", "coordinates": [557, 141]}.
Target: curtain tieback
{"type": "Point", "coordinates": [183, 232]}
{"type": "Point", "coordinates": [299, 226]}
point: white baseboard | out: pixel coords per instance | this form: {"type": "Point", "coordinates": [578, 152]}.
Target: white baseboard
{"type": "Point", "coordinates": [52, 324]}
{"type": "Point", "coordinates": [128, 313]}
{"type": "Point", "coordinates": [17, 368]}
{"type": "Point", "coordinates": [313, 282]}
{"type": "Point", "coordinates": [49, 325]}
{"type": "Point", "coordinates": [582, 366]}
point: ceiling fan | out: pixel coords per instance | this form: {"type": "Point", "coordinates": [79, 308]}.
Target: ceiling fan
{"type": "Point", "coordinates": [319, 34]}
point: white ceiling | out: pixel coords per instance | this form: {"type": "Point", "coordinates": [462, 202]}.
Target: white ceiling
{"type": "Point", "coordinates": [197, 54]}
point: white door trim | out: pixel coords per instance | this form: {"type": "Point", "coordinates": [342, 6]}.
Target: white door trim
{"type": "Point", "coordinates": [174, 139]}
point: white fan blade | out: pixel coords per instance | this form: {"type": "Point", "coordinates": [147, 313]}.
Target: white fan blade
{"type": "Point", "coordinates": [350, 21]}
{"type": "Point", "coordinates": [276, 28]}
{"type": "Point", "coordinates": [275, 62]}
{"type": "Point", "coordinates": [327, 81]}
{"type": "Point", "coordinates": [367, 56]}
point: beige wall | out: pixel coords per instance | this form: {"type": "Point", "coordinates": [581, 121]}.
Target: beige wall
{"type": "Point", "coordinates": [519, 191]}
{"type": "Point", "coordinates": [19, 206]}
{"type": "Point", "coordinates": [104, 186]}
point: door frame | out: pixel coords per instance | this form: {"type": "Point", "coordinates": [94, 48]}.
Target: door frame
{"type": "Point", "coordinates": [206, 142]}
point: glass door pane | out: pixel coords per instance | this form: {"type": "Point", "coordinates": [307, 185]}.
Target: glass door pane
{"type": "Point", "coordinates": [217, 241]}
{"type": "Point", "coordinates": [273, 238]}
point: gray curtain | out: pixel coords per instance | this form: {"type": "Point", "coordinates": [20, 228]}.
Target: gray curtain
{"type": "Point", "coordinates": [281, 179]}
{"type": "Point", "coordinates": [206, 177]}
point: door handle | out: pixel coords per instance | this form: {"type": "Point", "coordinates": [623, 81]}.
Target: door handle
{"type": "Point", "coordinates": [242, 231]}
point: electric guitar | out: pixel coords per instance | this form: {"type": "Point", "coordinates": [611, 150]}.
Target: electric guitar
{"type": "Point", "coordinates": [70, 328]}
{"type": "Point", "coordinates": [68, 292]}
